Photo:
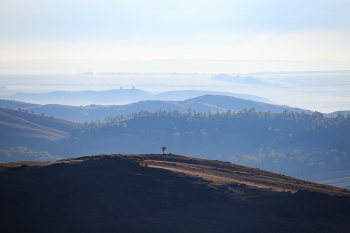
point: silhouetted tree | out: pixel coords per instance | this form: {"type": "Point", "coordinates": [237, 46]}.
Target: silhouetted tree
{"type": "Point", "coordinates": [163, 149]}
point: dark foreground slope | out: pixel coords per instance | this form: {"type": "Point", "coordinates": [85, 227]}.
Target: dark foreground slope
{"type": "Point", "coordinates": [163, 193]}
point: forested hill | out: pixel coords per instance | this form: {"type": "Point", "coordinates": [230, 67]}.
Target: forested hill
{"type": "Point", "coordinates": [290, 143]}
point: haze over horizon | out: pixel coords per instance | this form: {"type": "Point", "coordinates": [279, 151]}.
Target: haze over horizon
{"type": "Point", "coordinates": [236, 36]}
{"type": "Point", "coordinates": [44, 44]}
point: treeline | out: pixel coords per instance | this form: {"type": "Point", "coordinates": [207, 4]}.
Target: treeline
{"type": "Point", "coordinates": [288, 142]}
{"type": "Point", "coordinates": [21, 153]}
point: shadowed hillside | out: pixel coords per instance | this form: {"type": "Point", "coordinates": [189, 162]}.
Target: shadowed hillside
{"type": "Point", "coordinates": [26, 129]}
{"type": "Point", "coordinates": [163, 193]}
{"type": "Point", "coordinates": [296, 144]}
{"type": "Point", "coordinates": [291, 143]}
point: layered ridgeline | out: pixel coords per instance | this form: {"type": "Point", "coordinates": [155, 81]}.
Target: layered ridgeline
{"type": "Point", "coordinates": [118, 96]}
{"type": "Point", "coordinates": [293, 143]}
{"type": "Point", "coordinates": [200, 104]}
{"type": "Point", "coordinates": [203, 103]}
{"type": "Point", "coordinates": [163, 193]}
{"type": "Point", "coordinates": [290, 143]}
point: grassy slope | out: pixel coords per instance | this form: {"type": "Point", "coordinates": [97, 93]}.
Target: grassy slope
{"type": "Point", "coordinates": [164, 193]}
{"type": "Point", "coordinates": [20, 128]}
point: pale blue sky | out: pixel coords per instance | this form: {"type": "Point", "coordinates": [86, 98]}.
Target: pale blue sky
{"type": "Point", "coordinates": [299, 30]}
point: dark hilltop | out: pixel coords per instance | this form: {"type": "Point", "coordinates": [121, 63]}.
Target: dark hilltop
{"type": "Point", "coordinates": [163, 193]}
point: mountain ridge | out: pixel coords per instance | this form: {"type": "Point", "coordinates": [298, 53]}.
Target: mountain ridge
{"type": "Point", "coordinates": [118, 96]}
{"type": "Point", "coordinates": [200, 104]}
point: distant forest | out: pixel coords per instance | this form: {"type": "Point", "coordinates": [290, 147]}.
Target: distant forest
{"type": "Point", "coordinates": [289, 142]}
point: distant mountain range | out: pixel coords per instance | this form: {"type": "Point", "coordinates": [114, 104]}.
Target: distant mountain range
{"type": "Point", "coordinates": [199, 104]}
{"type": "Point", "coordinates": [117, 96]}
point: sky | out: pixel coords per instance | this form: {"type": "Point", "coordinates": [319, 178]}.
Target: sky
{"type": "Point", "coordinates": [112, 32]}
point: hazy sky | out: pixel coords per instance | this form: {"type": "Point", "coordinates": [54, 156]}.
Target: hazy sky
{"type": "Point", "coordinates": [298, 30]}
{"type": "Point", "coordinates": [204, 36]}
